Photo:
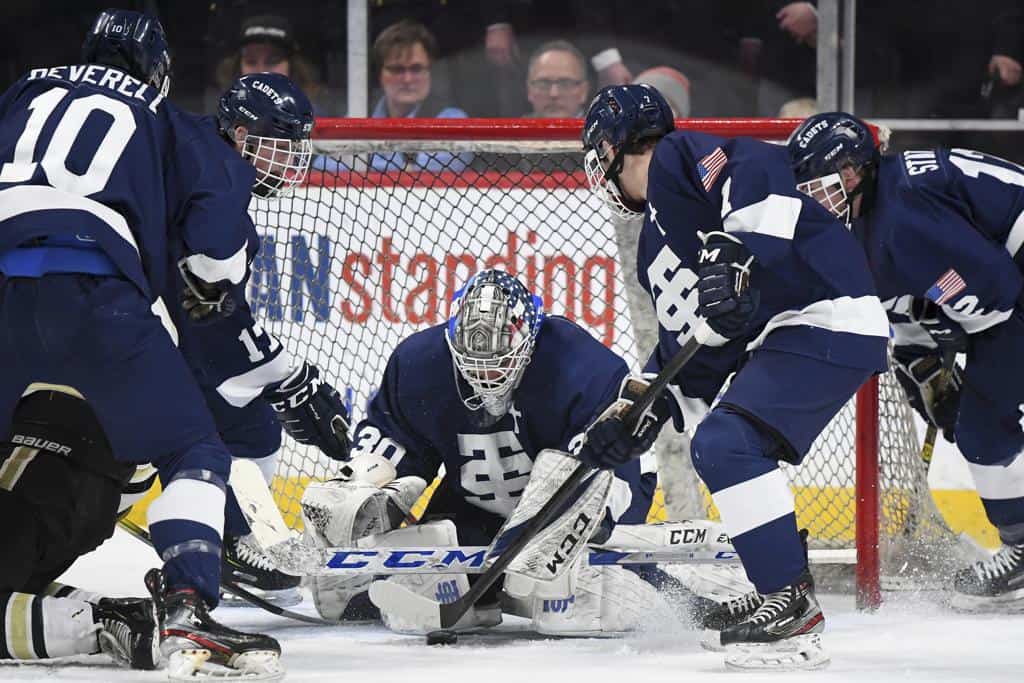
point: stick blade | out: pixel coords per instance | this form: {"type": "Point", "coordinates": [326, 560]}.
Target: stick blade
{"type": "Point", "coordinates": [415, 612]}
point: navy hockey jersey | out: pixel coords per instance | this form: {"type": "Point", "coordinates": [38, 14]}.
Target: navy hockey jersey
{"type": "Point", "coordinates": [418, 421]}
{"type": "Point", "coordinates": [817, 296]}
{"type": "Point", "coordinates": [91, 157]}
{"type": "Point", "coordinates": [947, 226]}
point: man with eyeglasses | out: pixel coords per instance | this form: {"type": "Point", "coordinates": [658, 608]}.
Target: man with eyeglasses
{"type": "Point", "coordinates": [557, 83]}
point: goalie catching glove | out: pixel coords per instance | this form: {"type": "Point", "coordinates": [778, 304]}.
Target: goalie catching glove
{"type": "Point", "coordinates": [311, 411]}
{"type": "Point", "coordinates": [931, 389]}
{"type": "Point", "coordinates": [725, 298]}
{"type": "Point", "coordinates": [610, 442]}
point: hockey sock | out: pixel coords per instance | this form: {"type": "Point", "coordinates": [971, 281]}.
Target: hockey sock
{"type": "Point", "coordinates": [41, 626]}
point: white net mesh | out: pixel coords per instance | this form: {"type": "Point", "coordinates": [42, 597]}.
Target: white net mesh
{"type": "Point", "coordinates": [375, 245]}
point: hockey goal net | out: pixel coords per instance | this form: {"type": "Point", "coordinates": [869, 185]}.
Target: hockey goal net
{"type": "Point", "coordinates": [396, 215]}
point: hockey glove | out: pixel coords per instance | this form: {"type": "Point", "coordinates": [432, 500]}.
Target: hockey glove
{"type": "Point", "coordinates": [947, 334]}
{"type": "Point", "coordinates": [933, 391]}
{"type": "Point", "coordinates": [725, 298]}
{"type": "Point", "coordinates": [610, 442]}
{"type": "Point", "coordinates": [204, 302]}
{"type": "Point", "coordinates": [311, 411]}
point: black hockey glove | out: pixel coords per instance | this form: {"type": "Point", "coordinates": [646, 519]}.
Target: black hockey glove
{"type": "Point", "coordinates": [933, 391]}
{"type": "Point", "coordinates": [947, 334]}
{"type": "Point", "coordinates": [311, 411]}
{"type": "Point", "coordinates": [204, 302]}
{"type": "Point", "coordinates": [610, 442]}
{"type": "Point", "coordinates": [726, 299]}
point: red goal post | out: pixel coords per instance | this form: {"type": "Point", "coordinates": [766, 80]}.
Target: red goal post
{"type": "Point", "coordinates": [396, 212]}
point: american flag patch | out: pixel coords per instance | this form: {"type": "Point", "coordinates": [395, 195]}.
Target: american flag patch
{"type": "Point", "coordinates": [947, 287]}
{"type": "Point", "coordinates": [710, 166]}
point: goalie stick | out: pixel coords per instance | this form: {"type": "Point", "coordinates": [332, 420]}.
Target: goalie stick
{"type": "Point", "coordinates": [450, 613]}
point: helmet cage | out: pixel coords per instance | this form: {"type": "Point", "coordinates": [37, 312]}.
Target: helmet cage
{"type": "Point", "coordinates": [605, 182]}
{"type": "Point", "coordinates": [829, 191]}
{"type": "Point", "coordinates": [281, 164]}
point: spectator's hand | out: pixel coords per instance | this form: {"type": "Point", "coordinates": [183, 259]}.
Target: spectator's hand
{"type": "Point", "coordinates": [501, 46]}
{"type": "Point", "coordinates": [1006, 68]}
{"type": "Point", "coordinates": [800, 20]}
{"type": "Point", "coordinates": [614, 74]}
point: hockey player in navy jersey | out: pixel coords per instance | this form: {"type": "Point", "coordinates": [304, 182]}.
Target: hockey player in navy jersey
{"type": "Point", "coordinates": [99, 175]}
{"type": "Point", "coordinates": [252, 385]}
{"type": "Point", "coordinates": [728, 242]}
{"type": "Point", "coordinates": [943, 229]}
{"type": "Point", "coordinates": [481, 397]}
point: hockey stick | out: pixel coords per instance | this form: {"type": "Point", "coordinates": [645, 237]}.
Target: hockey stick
{"type": "Point", "coordinates": [450, 613]}
{"type": "Point", "coordinates": [228, 585]}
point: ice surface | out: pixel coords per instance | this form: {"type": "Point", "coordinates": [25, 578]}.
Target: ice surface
{"type": "Point", "coordinates": [909, 639]}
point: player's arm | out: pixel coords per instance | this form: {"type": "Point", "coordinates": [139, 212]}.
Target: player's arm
{"type": "Point", "coordinates": [211, 187]}
{"type": "Point", "coordinates": [973, 282]}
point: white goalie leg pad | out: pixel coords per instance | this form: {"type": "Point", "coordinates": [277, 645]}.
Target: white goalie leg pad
{"type": "Point", "coordinates": [437, 587]}
{"type": "Point", "coordinates": [590, 601]}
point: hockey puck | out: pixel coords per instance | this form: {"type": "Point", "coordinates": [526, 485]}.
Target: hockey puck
{"type": "Point", "coordinates": [442, 637]}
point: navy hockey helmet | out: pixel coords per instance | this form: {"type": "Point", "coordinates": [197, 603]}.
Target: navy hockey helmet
{"type": "Point", "coordinates": [278, 119]}
{"type": "Point", "coordinates": [491, 335]}
{"type": "Point", "coordinates": [132, 41]}
{"type": "Point", "coordinates": [620, 118]}
{"type": "Point", "coordinates": [821, 147]}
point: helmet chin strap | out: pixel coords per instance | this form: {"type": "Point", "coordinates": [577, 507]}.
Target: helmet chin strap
{"type": "Point", "coordinates": [614, 174]}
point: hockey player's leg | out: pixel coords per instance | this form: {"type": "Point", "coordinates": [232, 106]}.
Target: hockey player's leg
{"type": "Point", "coordinates": [101, 336]}
{"type": "Point", "coordinates": [773, 410]}
{"type": "Point", "coordinates": [185, 523]}
{"type": "Point", "coordinates": [990, 434]}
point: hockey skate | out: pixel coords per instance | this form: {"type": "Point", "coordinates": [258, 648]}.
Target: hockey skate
{"type": "Point", "coordinates": [198, 647]}
{"type": "Point", "coordinates": [995, 585]}
{"type": "Point", "coordinates": [782, 633]}
{"type": "Point", "coordinates": [245, 564]}
{"type": "Point", "coordinates": [130, 631]}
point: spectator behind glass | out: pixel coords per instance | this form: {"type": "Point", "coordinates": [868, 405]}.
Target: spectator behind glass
{"type": "Point", "coordinates": [267, 43]}
{"type": "Point", "coordinates": [403, 55]}
{"type": "Point", "coordinates": [557, 84]}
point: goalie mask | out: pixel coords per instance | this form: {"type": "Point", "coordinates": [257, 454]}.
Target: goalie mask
{"type": "Point", "coordinates": [491, 336]}
{"type": "Point", "coordinates": [619, 120]}
{"type": "Point", "coordinates": [821, 148]}
{"type": "Point", "coordinates": [278, 119]}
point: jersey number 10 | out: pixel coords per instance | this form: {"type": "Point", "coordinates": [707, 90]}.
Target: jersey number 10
{"type": "Point", "coordinates": [54, 158]}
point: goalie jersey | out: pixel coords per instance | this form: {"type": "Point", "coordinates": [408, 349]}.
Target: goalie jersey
{"type": "Point", "coordinates": [121, 172]}
{"type": "Point", "coordinates": [418, 421]}
{"type": "Point", "coordinates": [947, 226]}
{"type": "Point", "coordinates": [816, 293]}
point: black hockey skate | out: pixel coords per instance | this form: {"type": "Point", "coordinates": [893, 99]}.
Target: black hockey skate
{"type": "Point", "coordinates": [196, 645]}
{"type": "Point", "coordinates": [995, 585]}
{"type": "Point", "coordinates": [244, 564]}
{"type": "Point", "coordinates": [782, 633]}
{"type": "Point", "coordinates": [732, 612]}
{"type": "Point", "coordinates": [131, 631]}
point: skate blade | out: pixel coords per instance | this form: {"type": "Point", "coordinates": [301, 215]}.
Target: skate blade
{"type": "Point", "coordinates": [792, 654]}
{"type": "Point", "coordinates": [286, 597]}
{"type": "Point", "coordinates": [194, 665]}
{"type": "Point", "coordinates": [1008, 603]}
{"type": "Point", "coordinates": [712, 642]}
